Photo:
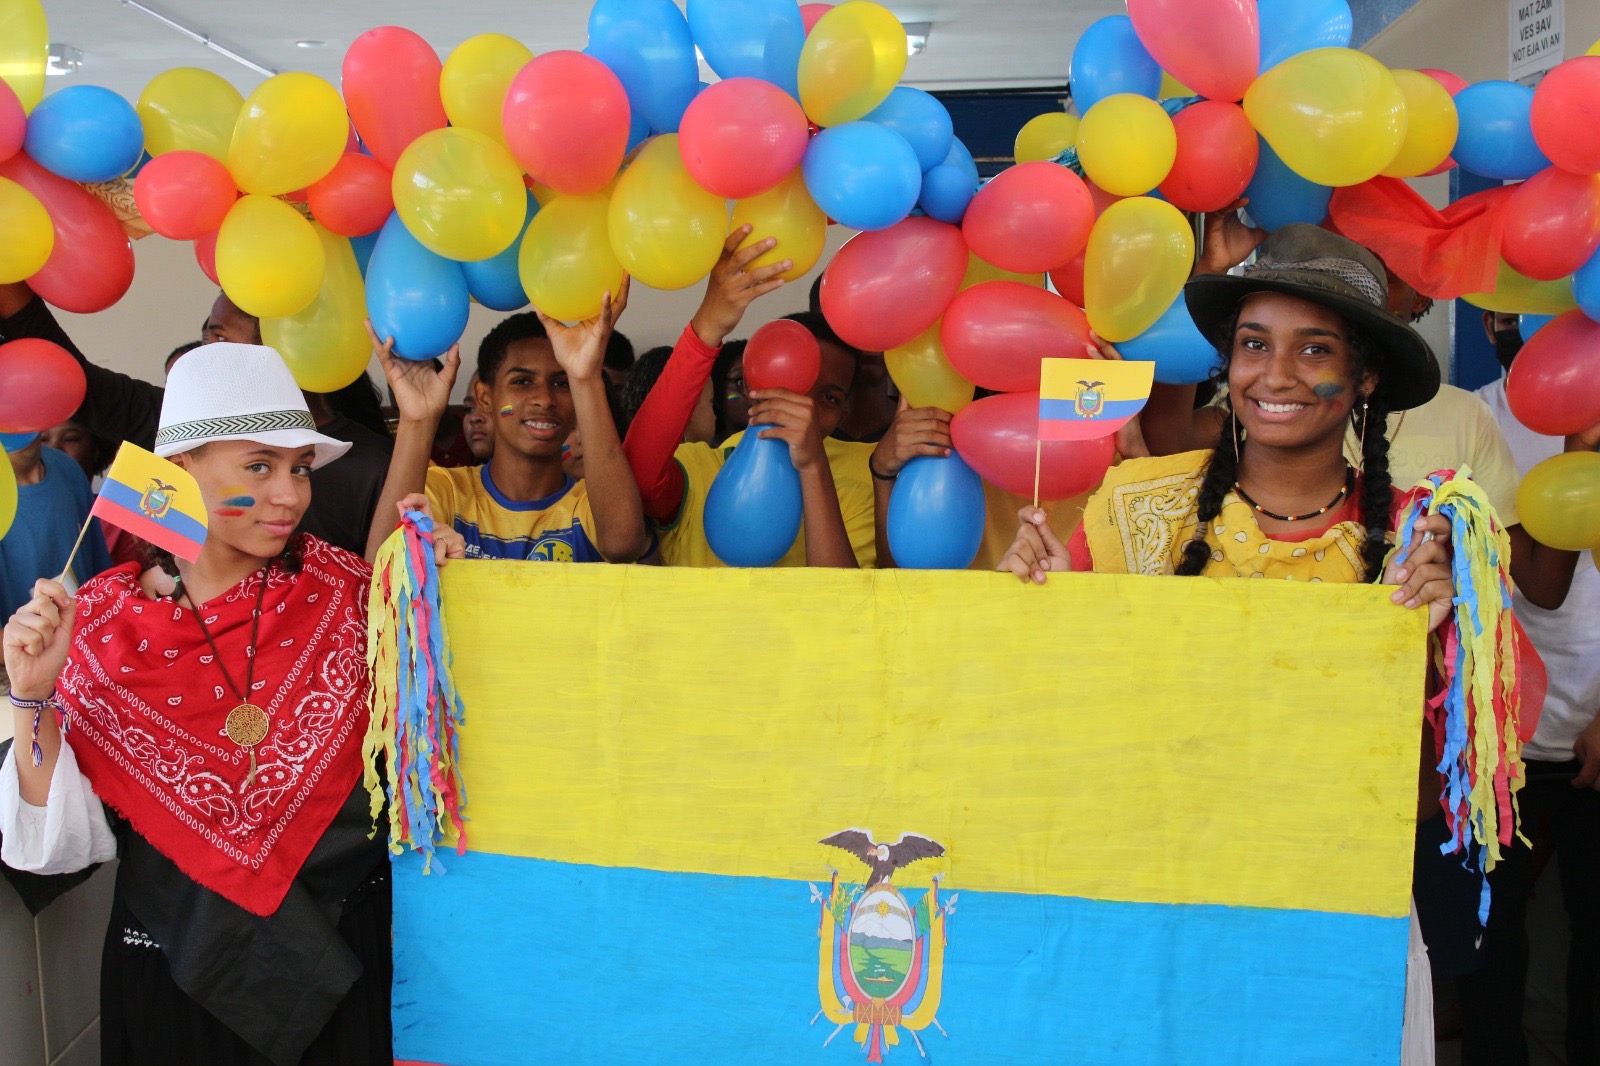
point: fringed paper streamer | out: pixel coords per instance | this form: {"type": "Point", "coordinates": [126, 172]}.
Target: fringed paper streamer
{"type": "Point", "coordinates": [416, 710]}
{"type": "Point", "coordinates": [1475, 713]}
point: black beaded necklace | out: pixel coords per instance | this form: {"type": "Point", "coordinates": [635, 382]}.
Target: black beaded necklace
{"type": "Point", "coordinates": [1344, 489]}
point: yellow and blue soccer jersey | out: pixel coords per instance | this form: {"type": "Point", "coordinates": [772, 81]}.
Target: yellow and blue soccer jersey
{"type": "Point", "coordinates": [556, 529]}
{"type": "Point", "coordinates": [683, 543]}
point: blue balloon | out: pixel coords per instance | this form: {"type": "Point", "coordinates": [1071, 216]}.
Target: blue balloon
{"type": "Point", "coordinates": [1289, 27]}
{"type": "Point", "coordinates": [863, 175]}
{"type": "Point", "coordinates": [15, 442]}
{"type": "Point", "coordinates": [936, 514]}
{"type": "Point", "coordinates": [1528, 325]}
{"type": "Point", "coordinates": [921, 119]}
{"type": "Point", "coordinates": [946, 192]}
{"type": "Point", "coordinates": [646, 44]}
{"type": "Point", "coordinates": [1586, 287]}
{"type": "Point", "coordinates": [1181, 353]}
{"type": "Point", "coordinates": [363, 246]}
{"type": "Point", "coordinates": [638, 129]}
{"type": "Point", "coordinates": [1279, 196]}
{"type": "Point", "coordinates": [495, 282]}
{"type": "Point", "coordinates": [753, 509]}
{"type": "Point", "coordinates": [960, 157]}
{"type": "Point", "coordinates": [1496, 137]}
{"type": "Point", "coordinates": [751, 39]}
{"type": "Point", "coordinates": [1108, 60]}
{"type": "Point", "coordinates": [418, 298]}
{"type": "Point", "coordinates": [85, 133]}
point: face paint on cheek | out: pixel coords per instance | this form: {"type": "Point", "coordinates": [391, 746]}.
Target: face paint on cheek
{"type": "Point", "coordinates": [1328, 389]}
{"type": "Point", "coordinates": [235, 498]}
{"type": "Point", "coordinates": [505, 412]}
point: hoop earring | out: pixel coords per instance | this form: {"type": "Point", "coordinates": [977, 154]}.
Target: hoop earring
{"type": "Point", "coordinates": [1233, 423]}
{"type": "Point", "coordinates": [1361, 452]}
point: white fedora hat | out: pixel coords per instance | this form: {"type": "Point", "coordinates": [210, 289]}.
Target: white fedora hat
{"type": "Point", "coordinates": [229, 391]}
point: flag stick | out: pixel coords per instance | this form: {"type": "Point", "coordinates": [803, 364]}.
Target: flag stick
{"type": "Point", "coordinates": [1038, 455]}
{"type": "Point", "coordinates": [67, 569]}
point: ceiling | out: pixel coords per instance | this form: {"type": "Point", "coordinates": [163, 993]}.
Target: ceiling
{"type": "Point", "coordinates": [973, 43]}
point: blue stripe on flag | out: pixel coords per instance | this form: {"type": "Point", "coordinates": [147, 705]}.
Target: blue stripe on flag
{"type": "Point", "coordinates": [589, 964]}
{"type": "Point", "coordinates": [127, 497]}
{"type": "Point", "coordinates": [1064, 411]}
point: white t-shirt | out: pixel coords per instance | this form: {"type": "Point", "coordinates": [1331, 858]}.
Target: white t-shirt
{"type": "Point", "coordinates": [1568, 639]}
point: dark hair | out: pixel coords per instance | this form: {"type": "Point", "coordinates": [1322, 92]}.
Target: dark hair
{"type": "Point", "coordinates": [619, 352]}
{"type": "Point", "coordinates": [642, 377]}
{"type": "Point", "coordinates": [814, 297]}
{"type": "Point", "coordinates": [732, 355]}
{"type": "Point", "coordinates": [813, 321]}
{"type": "Point", "coordinates": [180, 350]}
{"type": "Point", "coordinates": [1222, 469]}
{"type": "Point", "coordinates": [361, 403]}
{"type": "Point", "coordinates": [492, 352]}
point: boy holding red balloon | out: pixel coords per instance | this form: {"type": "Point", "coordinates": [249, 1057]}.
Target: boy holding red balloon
{"type": "Point", "coordinates": [674, 478]}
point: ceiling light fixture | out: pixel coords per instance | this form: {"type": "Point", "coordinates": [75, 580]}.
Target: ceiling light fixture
{"type": "Point", "coordinates": [64, 59]}
{"type": "Point", "coordinates": [311, 44]}
{"type": "Point", "coordinates": [203, 38]}
{"type": "Point", "coordinates": [917, 37]}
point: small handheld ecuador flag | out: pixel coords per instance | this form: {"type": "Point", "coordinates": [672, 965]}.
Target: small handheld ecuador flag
{"type": "Point", "coordinates": [155, 499]}
{"type": "Point", "coordinates": [1085, 399]}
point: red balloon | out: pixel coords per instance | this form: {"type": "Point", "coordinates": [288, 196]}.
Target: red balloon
{"type": "Point", "coordinates": [566, 121]}
{"type": "Point", "coordinates": [782, 355]}
{"type": "Point", "coordinates": [885, 287]}
{"type": "Point", "coordinates": [742, 136]}
{"type": "Point", "coordinates": [1552, 223]}
{"type": "Point", "coordinates": [995, 333]}
{"type": "Point", "coordinates": [1212, 46]}
{"type": "Point", "coordinates": [1566, 115]}
{"type": "Point", "coordinates": [810, 13]}
{"type": "Point", "coordinates": [391, 87]}
{"type": "Point", "coordinates": [355, 198]}
{"type": "Point", "coordinates": [997, 436]}
{"type": "Point", "coordinates": [13, 122]}
{"type": "Point", "coordinates": [184, 195]}
{"type": "Point", "coordinates": [1453, 83]}
{"type": "Point", "coordinates": [91, 265]}
{"type": "Point", "coordinates": [1068, 280]}
{"type": "Point", "coordinates": [1217, 151]}
{"type": "Point", "coordinates": [1554, 385]}
{"type": "Point", "coordinates": [205, 253]}
{"type": "Point", "coordinates": [42, 383]}
{"type": "Point", "coordinates": [1032, 218]}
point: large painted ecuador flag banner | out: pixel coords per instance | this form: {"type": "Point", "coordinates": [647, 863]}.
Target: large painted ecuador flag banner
{"type": "Point", "coordinates": [818, 816]}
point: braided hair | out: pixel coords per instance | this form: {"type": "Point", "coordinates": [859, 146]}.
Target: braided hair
{"type": "Point", "coordinates": [1222, 469]}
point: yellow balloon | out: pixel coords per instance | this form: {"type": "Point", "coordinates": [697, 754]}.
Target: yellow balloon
{"type": "Point", "coordinates": [566, 262]}
{"type": "Point", "coordinates": [1045, 137]}
{"type": "Point", "coordinates": [269, 260]}
{"type": "Point", "coordinates": [326, 345]}
{"type": "Point", "coordinates": [981, 270]}
{"type": "Point", "coordinates": [186, 109]}
{"type": "Point", "coordinates": [24, 49]}
{"type": "Point", "coordinates": [1559, 501]}
{"type": "Point", "coordinates": [1126, 144]}
{"type": "Point", "coordinates": [852, 59]}
{"type": "Point", "coordinates": [475, 78]}
{"type": "Point", "coordinates": [1140, 253]}
{"type": "Point", "coordinates": [923, 374]}
{"type": "Point", "coordinates": [1173, 89]}
{"type": "Point", "coordinates": [291, 131]}
{"type": "Point", "coordinates": [1519, 294]}
{"type": "Point", "coordinates": [787, 212]}
{"type": "Point", "coordinates": [1431, 125]}
{"type": "Point", "coordinates": [29, 235]}
{"type": "Point", "coordinates": [8, 497]}
{"type": "Point", "coordinates": [460, 194]}
{"type": "Point", "coordinates": [666, 230]}
{"type": "Point", "coordinates": [1594, 50]}
{"type": "Point", "coordinates": [1334, 115]}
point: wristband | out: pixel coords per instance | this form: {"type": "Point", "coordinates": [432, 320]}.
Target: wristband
{"type": "Point", "coordinates": [37, 707]}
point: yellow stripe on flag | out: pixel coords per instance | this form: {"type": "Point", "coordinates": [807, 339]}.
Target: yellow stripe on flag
{"type": "Point", "coordinates": [1170, 740]}
{"type": "Point", "coordinates": [1061, 379]}
{"type": "Point", "coordinates": [139, 469]}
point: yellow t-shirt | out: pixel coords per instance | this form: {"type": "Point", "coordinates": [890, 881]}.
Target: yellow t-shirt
{"type": "Point", "coordinates": [558, 528]}
{"type": "Point", "coordinates": [1000, 522]}
{"type": "Point", "coordinates": [683, 542]}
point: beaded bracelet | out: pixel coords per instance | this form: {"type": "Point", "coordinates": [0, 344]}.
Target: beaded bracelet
{"type": "Point", "coordinates": [37, 707]}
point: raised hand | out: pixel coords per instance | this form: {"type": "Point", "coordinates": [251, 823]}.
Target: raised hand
{"type": "Point", "coordinates": [36, 640]}
{"type": "Point", "coordinates": [791, 418]}
{"type": "Point", "coordinates": [733, 286]}
{"type": "Point", "coordinates": [447, 543]}
{"type": "Point", "coordinates": [421, 393]}
{"type": "Point", "coordinates": [915, 431]}
{"type": "Point", "coordinates": [1425, 577]}
{"type": "Point", "coordinates": [580, 349]}
{"type": "Point", "coordinates": [1037, 552]}
{"type": "Point", "coordinates": [1228, 241]}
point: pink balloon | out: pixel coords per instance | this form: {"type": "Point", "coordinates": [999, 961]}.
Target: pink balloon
{"type": "Point", "coordinates": [91, 265]}
{"type": "Point", "coordinates": [13, 122]}
{"type": "Point", "coordinates": [998, 435]}
{"type": "Point", "coordinates": [566, 122]}
{"type": "Point", "coordinates": [184, 195]}
{"type": "Point", "coordinates": [782, 355]}
{"type": "Point", "coordinates": [1453, 83]}
{"type": "Point", "coordinates": [1552, 223]}
{"type": "Point", "coordinates": [1212, 46]}
{"type": "Point", "coordinates": [1032, 218]}
{"type": "Point", "coordinates": [1566, 115]}
{"type": "Point", "coordinates": [42, 383]}
{"type": "Point", "coordinates": [354, 198]}
{"type": "Point", "coordinates": [1553, 388]}
{"type": "Point", "coordinates": [1068, 280]}
{"type": "Point", "coordinates": [205, 254]}
{"type": "Point", "coordinates": [391, 87]}
{"type": "Point", "coordinates": [810, 13]}
{"type": "Point", "coordinates": [995, 333]}
{"type": "Point", "coordinates": [741, 137]}
{"type": "Point", "coordinates": [885, 287]}
{"type": "Point", "coordinates": [1217, 153]}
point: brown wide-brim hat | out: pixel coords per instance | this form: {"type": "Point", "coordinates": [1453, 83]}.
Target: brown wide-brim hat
{"type": "Point", "coordinates": [1309, 262]}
